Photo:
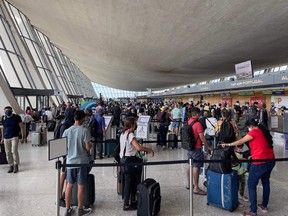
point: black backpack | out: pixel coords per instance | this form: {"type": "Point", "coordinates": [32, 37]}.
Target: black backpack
{"type": "Point", "coordinates": [93, 125]}
{"type": "Point", "coordinates": [226, 133]}
{"type": "Point", "coordinates": [224, 154]}
{"type": "Point", "coordinates": [187, 136]}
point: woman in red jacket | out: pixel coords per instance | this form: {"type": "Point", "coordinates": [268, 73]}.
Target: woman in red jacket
{"type": "Point", "coordinates": [261, 147]}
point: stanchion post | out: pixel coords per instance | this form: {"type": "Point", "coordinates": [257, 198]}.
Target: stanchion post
{"type": "Point", "coordinates": [58, 167]}
{"type": "Point", "coordinates": [191, 187]}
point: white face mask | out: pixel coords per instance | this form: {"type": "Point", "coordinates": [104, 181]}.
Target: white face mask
{"type": "Point", "coordinates": [249, 129]}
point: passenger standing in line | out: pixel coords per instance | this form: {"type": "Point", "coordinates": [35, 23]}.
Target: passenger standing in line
{"type": "Point", "coordinates": [69, 115]}
{"type": "Point", "coordinates": [116, 112]}
{"type": "Point", "coordinates": [79, 143]}
{"type": "Point", "coordinates": [176, 115]}
{"type": "Point", "coordinates": [163, 127]}
{"type": "Point", "coordinates": [12, 125]}
{"type": "Point", "coordinates": [196, 154]}
{"type": "Point", "coordinates": [128, 140]}
{"type": "Point", "coordinates": [261, 147]}
{"type": "Point", "coordinates": [101, 132]}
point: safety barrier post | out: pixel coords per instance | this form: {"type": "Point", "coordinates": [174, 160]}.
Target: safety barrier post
{"type": "Point", "coordinates": [191, 187]}
{"type": "Point", "coordinates": [58, 167]}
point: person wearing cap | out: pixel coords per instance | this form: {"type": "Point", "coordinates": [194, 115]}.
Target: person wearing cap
{"type": "Point", "coordinates": [12, 125]}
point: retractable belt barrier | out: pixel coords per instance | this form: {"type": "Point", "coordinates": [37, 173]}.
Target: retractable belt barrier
{"type": "Point", "coordinates": [59, 165]}
{"type": "Point", "coordinates": [190, 162]}
{"type": "Point", "coordinates": [167, 162]}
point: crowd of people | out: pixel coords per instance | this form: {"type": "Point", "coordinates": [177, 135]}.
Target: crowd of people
{"type": "Point", "coordinates": [85, 131]}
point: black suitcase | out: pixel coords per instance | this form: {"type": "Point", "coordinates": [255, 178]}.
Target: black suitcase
{"type": "Point", "coordinates": [3, 159]}
{"type": "Point", "coordinates": [89, 198]}
{"type": "Point", "coordinates": [51, 125]}
{"type": "Point", "coordinates": [173, 143]}
{"type": "Point", "coordinates": [148, 198]}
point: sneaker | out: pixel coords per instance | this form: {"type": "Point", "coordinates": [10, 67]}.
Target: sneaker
{"type": "Point", "coordinates": [264, 209]}
{"type": "Point", "coordinates": [129, 208]}
{"type": "Point", "coordinates": [15, 169]}
{"type": "Point", "coordinates": [62, 202]}
{"type": "Point", "coordinates": [11, 168]}
{"type": "Point", "coordinates": [244, 198]}
{"type": "Point", "coordinates": [68, 211]}
{"type": "Point", "coordinates": [83, 211]}
{"type": "Point", "coordinates": [249, 214]}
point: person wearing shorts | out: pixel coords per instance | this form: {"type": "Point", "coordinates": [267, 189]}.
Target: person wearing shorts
{"type": "Point", "coordinates": [79, 143]}
{"type": "Point", "coordinates": [196, 154]}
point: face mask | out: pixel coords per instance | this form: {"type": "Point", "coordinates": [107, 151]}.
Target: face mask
{"type": "Point", "coordinates": [249, 129]}
{"type": "Point", "coordinates": [8, 113]}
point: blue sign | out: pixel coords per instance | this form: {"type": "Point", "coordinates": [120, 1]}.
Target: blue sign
{"type": "Point", "coordinates": [278, 92]}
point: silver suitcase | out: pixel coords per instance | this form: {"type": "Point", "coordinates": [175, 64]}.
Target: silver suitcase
{"type": "Point", "coordinates": [35, 138]}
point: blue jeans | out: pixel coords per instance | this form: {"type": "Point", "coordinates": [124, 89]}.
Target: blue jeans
{"type": "Point", "coordinates": [257, 172]}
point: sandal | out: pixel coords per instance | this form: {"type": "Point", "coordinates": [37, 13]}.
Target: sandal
{"type": "Point", "coordinates": [200, 192]}
{"type": "Point", "coordinates": [249, 214]}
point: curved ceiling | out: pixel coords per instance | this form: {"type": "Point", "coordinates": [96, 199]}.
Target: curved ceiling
{"type": "Point", "coordinates": [140, 44]}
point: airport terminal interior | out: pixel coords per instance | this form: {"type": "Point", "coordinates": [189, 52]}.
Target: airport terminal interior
{"type": "Point", "coordinates": [140, 54]}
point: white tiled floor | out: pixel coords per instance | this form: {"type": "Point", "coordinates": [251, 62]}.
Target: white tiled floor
{"type": "Point", "coordinates": [32, 191]}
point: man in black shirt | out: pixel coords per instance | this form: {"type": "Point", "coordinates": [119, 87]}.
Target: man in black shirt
{"type": "Point", "coordinates": [12, 125]}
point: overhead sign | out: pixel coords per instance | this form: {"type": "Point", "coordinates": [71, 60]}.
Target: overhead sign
{"type": "Point", "coordinates": [244, 70]}
{"type": "Point", "coordinates": [278, 92]}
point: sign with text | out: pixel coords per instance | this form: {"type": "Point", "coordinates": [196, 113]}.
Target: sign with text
{"type": "Point", "coordinates": [279, 100]}
{"type": "Point", "coordinates": [142, 127]}
{"type": "Point", "coordinates": [227, 100]}
{"type": "Point", "coordinates": [258, 99]}
{"type": "Point", "coordinates": [244, 70]}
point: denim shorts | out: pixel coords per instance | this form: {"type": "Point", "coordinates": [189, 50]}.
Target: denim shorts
{"type": "Point", "coordinates": [196, 154]}
{"type": "Point", "coordinates": [79, 175]}
{"type": "Point", "coordinates": [176, 123]}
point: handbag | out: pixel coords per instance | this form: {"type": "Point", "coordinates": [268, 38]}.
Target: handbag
{"type": "Point", "coordinates": [208, 137]}
{"type": "Point", "coordinates": [131, 169]}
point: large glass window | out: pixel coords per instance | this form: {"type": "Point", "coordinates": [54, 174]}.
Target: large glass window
{"type": "Point", "coordinates": [113, 93]}
{"type": "Point", "coordinates": [11, 60]}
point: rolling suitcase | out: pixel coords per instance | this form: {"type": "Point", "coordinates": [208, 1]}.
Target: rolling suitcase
{"type": "Point", "coordinates": [222, 190]}
{"type": "Point", "coordinates": [36, 138]}
{"type": "Point", "coordinates": [173, 141]}
{"type": "Point", "coordinates": [43, 135]}
{"type": "Point", "coordinates": [109, 148]}
{"type": "Point", "coordinates": [89, 198]}
{"type": "Point", "coordinates": [3, 159]}
{"type": "Point", "coordinates": [51, 125]}
{"type": "Point", "coordinates": [148, 198]}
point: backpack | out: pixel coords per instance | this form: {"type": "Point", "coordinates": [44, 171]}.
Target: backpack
{"type": "Point", "coordinates": [188, 141]}
{"type": "Point", "coordinates": [253, 112]}
{"type": "Point", "coordinates": [224, 154]}
{"type": "Point", "coordinates": [93, 125]}
{"type": "Point", "coordinates": [226, 133]}
{"type": "Point", "coordinates": [160, 117]}
{"type": "Point", "coordinates": [118, 148]}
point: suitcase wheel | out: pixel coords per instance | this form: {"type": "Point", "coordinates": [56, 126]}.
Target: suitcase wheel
{"type": "Point", "coordinates": [207, 203]}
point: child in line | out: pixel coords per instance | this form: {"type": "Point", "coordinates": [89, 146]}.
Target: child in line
{"type": "Point", "coordinates": [241, 174]}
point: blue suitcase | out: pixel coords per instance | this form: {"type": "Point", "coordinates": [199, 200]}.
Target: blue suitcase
{"type": "Point", "coordinates": [222, 190]}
